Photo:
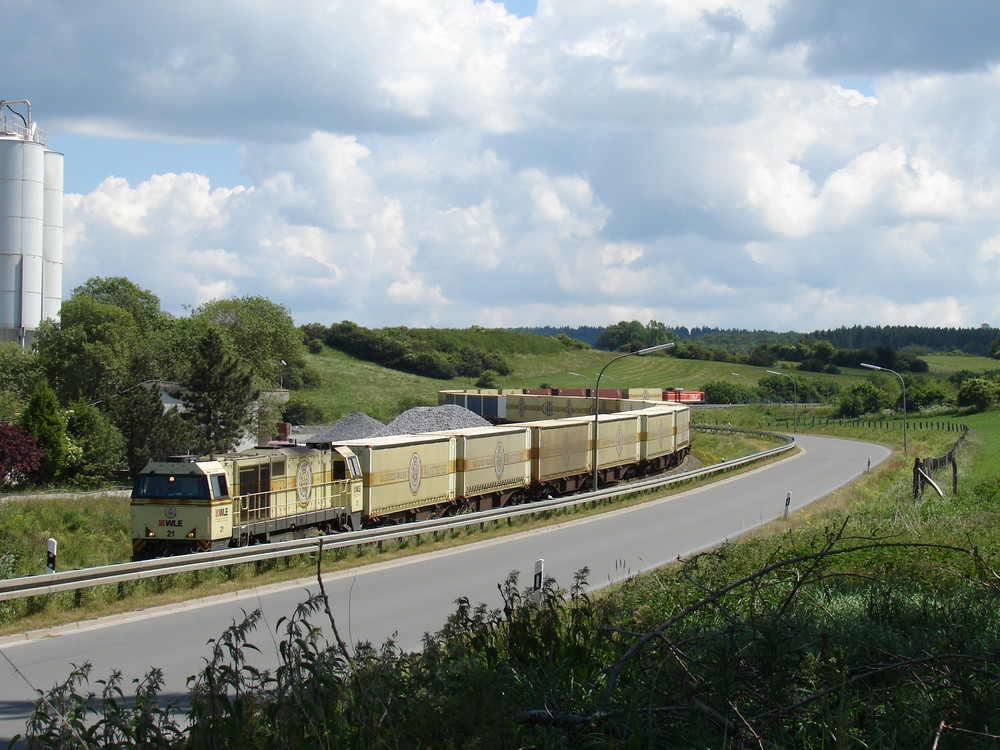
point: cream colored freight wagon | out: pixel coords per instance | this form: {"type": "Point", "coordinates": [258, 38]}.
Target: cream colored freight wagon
{"type": "Point", "coordinates": [617, 443]}
{"type": "Point", "coordinates": [528, 407]}
{"type": "Point", "coordinates": [406, 477]}
{"type": "Point", "coordinates": [492, 464]}
{"type": "Point", "coordinates": [560, 453]}
{"type": "Point", "coordinates": [664, 436]}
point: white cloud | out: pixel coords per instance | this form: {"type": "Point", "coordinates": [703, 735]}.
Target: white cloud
{"type": "Point", "coordinates": [694, 161]}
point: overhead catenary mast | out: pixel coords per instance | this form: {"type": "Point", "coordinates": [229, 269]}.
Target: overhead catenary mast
{"type": "Point", "coordinates": [31, 225]}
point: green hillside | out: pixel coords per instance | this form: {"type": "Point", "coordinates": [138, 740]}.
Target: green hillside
{"type": "Point", "coordinates": [348, 384]}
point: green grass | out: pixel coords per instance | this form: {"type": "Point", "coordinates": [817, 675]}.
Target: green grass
{"type": "Point", "coordinates": [349, 384]}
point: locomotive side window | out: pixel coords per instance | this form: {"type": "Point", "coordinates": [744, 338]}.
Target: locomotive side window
{"type": "Point", "coordinates": [183, 486]}
{"type": "Point", "coordinates": [219, 487]}
{"type": "Point", "coordinates": [278, 469]}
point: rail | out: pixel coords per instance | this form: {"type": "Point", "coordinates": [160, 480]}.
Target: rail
{"type": "Point", "coordinates": [17, 588]}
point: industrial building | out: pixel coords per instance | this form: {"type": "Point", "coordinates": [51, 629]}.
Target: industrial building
{"type": "Point", "coordinates": [31, 225]}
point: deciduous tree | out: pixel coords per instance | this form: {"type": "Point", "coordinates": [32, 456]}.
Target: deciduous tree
{"type": "Point", "coordinates": [19, 454]}
{"type": "Point", "coordinates": [261, 333]}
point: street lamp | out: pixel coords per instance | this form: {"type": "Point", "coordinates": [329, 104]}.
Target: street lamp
{"type": "Point", "coordinates": [795, 391]}
{"type": "Point", "coordinates": [902, 383]}
{"type": "Point", "coordinates": [597, 392]}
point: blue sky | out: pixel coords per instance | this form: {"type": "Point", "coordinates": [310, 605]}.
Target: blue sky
{"type": "Point", "coordinates": [789, 165]}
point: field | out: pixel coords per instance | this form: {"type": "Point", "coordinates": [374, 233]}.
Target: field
{"type": "Point", "coordinates": [350, 385]}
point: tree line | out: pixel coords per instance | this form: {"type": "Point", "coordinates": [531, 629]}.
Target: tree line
{"type": "Point", "coordinates": [983, 341]}
{"type": "Point", "coordinates": [405, 350]}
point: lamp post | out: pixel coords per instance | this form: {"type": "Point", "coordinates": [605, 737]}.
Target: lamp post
{"type": "Point", "coordinates": [795, 391]}
{"type": "Point", "coordinates": [902, 383]}
{"type": "Point", "coordinates": [597, 393]}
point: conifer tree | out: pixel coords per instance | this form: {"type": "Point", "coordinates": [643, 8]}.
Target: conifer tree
{"type": "Point", "coordinates": [219, 396]}
{"type": "Point", "coordinates": [43, 418]}
{"type": "Point", "coordinates": [151, 432]}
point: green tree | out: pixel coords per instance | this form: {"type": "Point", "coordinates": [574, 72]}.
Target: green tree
{"type": "Point", "coordinates": [977, 393]}
{"type": "Point", "coordinates": [97, 447]}
{"type": "Point", "coordinates": [43, 419]}
{"type": "Point", "coordinates": [863, 398]}
{"type": "Point", "coordinates": [19, 371]}
{"type": "Point", "coordinates": [118, 291]}
{"type": "Point", "coordinates": [150, 432]}
{"type": "Point", "coordinates": [219, 395]}
{"type": "Point", "coordinates": [298, 411]}
{"type": "Point", "coordinates": [488, 379]}
{"type": "Point", "coordinates": [925, 392]}
{"type": "Point", "coordinates": [761, 356]}
{"type": "Point", "coordinates": [259, 332]}
{"type": "Point", "coordinates": [721, 392]}
{"type": "Point", "coordinates": [89, 353]}
{"type": "Point", "coordinates": [621, 335]}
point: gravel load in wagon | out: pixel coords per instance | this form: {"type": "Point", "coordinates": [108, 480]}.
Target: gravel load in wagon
{"type": "Point", "coordinates": [354, 426]}
{"type": "Point", "coordinates": [431, 419]}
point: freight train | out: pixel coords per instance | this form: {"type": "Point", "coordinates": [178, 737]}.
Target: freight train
{"type": "Point", "coordinates": [539, 447]}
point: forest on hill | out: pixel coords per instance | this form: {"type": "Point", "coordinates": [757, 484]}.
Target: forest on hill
{"type": "Point", "coordinates": [982, 341]}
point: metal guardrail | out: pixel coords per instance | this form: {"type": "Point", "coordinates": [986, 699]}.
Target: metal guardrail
{"type": "Point", "coordinates": [17, 588]}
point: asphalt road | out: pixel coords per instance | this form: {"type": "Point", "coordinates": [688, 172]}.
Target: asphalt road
{"type": "Point", "coordinates": [407, 598]}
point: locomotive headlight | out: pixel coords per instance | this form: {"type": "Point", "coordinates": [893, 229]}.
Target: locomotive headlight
{"type": "Point", "coordinates": [149, 532]}
{"type": "Point", "coordinates": [191, 534]}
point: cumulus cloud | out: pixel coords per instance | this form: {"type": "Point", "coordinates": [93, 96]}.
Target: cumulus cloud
{"type": "Point", "coordinates": [699, 162]}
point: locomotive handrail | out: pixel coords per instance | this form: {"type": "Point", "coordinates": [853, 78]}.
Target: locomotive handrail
{"type": "Point", "coordinates": [16, 588]}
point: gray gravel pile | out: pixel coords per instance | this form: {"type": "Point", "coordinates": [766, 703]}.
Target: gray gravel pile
{"type": "Point", "coordinates": [432, 419]}
{"type": "Point", "coordinates": [354, 426]}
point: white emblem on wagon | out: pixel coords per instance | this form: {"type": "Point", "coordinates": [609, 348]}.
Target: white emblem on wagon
{"type": "Point", "coordinates": [170, 512]}
{"type": "Point", "coordinates": [303, 481]}
{"type": "Point", "coordinates": [414, 473]}
{"type": "Point", "coordinates": [498, 460]}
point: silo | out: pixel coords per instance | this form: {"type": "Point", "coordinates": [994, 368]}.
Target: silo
{"type": "Point", "coordinates": [30, 226]}
{"type": "Point", "coordinates": [52, 236]}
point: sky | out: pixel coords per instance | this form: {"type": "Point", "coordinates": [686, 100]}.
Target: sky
{"type": "Point", "coordinates": [788, 165]}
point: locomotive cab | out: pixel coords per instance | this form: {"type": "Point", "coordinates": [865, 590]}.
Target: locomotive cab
{"type": "Point", "coordinates": [180, 506]}
{"type": "Point", "coordinates": [265, 494]}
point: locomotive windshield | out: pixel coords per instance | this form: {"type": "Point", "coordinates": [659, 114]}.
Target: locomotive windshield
{"type": "Point", "coordinates": [182, 486]}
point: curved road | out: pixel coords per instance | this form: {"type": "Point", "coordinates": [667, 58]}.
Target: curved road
{"type": "Point", "coordinates": [413, 596]}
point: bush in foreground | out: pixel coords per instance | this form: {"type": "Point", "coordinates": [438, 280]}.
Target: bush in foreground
{"type": "Point", "coordinates": [830, 640]}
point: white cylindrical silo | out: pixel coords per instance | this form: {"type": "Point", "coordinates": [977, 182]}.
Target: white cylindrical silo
{"type": "Point", "coordinates": [11, 164]}
{"type": "Point", "coordinates": [32, 205]}
{"type": "Point", "coordinates": [10, 296]}
{"type": "Point", "coordinates": [52, 236]}
{"type": "Point", "coordinates": [31, 226]}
